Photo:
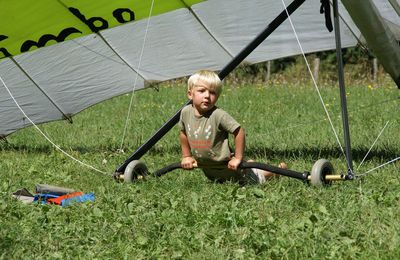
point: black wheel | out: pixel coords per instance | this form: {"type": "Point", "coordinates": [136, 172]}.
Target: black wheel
{"type": "Point", "coordinates": [136, 170]}
{"type": "Point", "coordinates": [320, 169]}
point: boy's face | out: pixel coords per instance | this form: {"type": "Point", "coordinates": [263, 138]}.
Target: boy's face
{"type": "Point", "coordinates": [203, 97]}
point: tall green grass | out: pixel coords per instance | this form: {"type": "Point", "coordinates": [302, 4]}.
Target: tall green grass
{"type": "Point", "coordinates": [182, 214]}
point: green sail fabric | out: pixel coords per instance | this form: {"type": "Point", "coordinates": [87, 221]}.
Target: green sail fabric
{"type": "Point", "coordinates": [59, 57]}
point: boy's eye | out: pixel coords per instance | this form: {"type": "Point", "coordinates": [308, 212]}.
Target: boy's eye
{"type": "Point", "coordinates": [202, 90]}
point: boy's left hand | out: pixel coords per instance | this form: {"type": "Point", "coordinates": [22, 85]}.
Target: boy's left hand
{"type": "Point", "coordinates": [233, 164]}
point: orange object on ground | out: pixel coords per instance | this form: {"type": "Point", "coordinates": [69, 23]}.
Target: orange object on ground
{"type": "Point", "coordinates": [59, 199]}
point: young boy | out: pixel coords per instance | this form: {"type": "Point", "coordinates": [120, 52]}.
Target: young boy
{"type": "Point", "coordinates": [204, 134]}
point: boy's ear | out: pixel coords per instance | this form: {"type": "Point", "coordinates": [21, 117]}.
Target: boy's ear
{"type": "Point", "coordinates": [189, 94]}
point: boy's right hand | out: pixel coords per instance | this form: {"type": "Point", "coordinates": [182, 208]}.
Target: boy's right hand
{"type": "Point", "coordinates": [188, 163]}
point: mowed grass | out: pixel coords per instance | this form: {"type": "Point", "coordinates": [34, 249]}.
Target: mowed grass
{"type": "Point", "coordinates": [182, 214]}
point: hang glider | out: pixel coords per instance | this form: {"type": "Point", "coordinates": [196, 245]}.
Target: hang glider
{"type": "Point", "coordinates": [59, 57]}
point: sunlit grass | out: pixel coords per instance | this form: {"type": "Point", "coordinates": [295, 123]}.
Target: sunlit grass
{"type": "Point", "coordinates": [182, 215]}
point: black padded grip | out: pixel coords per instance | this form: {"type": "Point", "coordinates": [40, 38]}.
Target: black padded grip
{"type": "Point", "coordinates": [243, 165]}
{"type": "Point", "coordinates": [167, 169]}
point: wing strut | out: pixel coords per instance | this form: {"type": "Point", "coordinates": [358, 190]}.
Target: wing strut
{"type": "Point", "coordinates": [222, 74]}
{"type": "Point", "coordinates": [343, 100]}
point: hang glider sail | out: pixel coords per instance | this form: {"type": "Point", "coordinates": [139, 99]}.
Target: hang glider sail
{"type": "Point", "coordinates": [60, 57]}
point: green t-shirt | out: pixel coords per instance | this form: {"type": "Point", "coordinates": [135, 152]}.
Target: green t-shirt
{"type": "Point", "coordinates": [208, 134]}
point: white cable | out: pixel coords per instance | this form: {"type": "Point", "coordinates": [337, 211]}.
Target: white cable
{"type": "Point", "coordinates": [315, 83]}
{"type": "Point", "coordinates": [323, 104]}
{"type": "Point", "coordinates": [137, 75]}
{"type": "Point", "coordinates": [373, 145]}
{"type": "Point", "coordinates": [373, 169]}
{"type": "Point", "coordinates": [42, 133]}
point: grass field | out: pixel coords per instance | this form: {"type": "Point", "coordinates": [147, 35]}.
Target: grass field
{"type": "Point", "coordinates": [182, 214]}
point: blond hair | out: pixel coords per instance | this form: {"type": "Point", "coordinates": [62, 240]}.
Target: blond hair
{"type": "Point", "coordinates": [207, 77]}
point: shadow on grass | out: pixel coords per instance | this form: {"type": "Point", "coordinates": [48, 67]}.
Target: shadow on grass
{"type": "Point", "coordinates": [358, 154]}
{"type": "Point", "coordinates": [47, 149]}
{"type": "Point", "coordinates": [321, 152]}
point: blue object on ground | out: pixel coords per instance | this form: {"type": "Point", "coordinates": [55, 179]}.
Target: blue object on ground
{"type": "Point", "coordinates": [78, 199]}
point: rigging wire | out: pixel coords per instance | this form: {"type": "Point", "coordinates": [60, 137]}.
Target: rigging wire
{"type": "Point", "coordinates": [44, 135]}
{"type": "Point", "coordinates": [293, 126]}
{"type": "Point", "coordinates": [323, 104]}
{"type": "Point", "coordinates": [379, 135]}
{"type": "Point", "coordinates": [373, 169]}
{"type": "Point", "coordinates": [137, 75]}
{"type": "Point", "coordinates": [315, 83]}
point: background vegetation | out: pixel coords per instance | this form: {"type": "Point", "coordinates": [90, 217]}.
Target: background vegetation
{"type": "Point", "coordinates": [183, 215]}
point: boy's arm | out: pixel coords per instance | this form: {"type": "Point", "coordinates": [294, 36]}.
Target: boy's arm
{"type": "Point", "coordinates": [239, 149]}
{"type": "Point", "coordinates": [187, 159]}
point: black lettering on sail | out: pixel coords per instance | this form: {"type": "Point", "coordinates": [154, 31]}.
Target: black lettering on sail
{"type": "Point", "coordinates": [118, 15]}
{"type": "Point", "coordinates": [27, 45]}
{"type": "Point", "coordinates": [2, 49]}
{"type": "Point", "coordinates": [91, 21]}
